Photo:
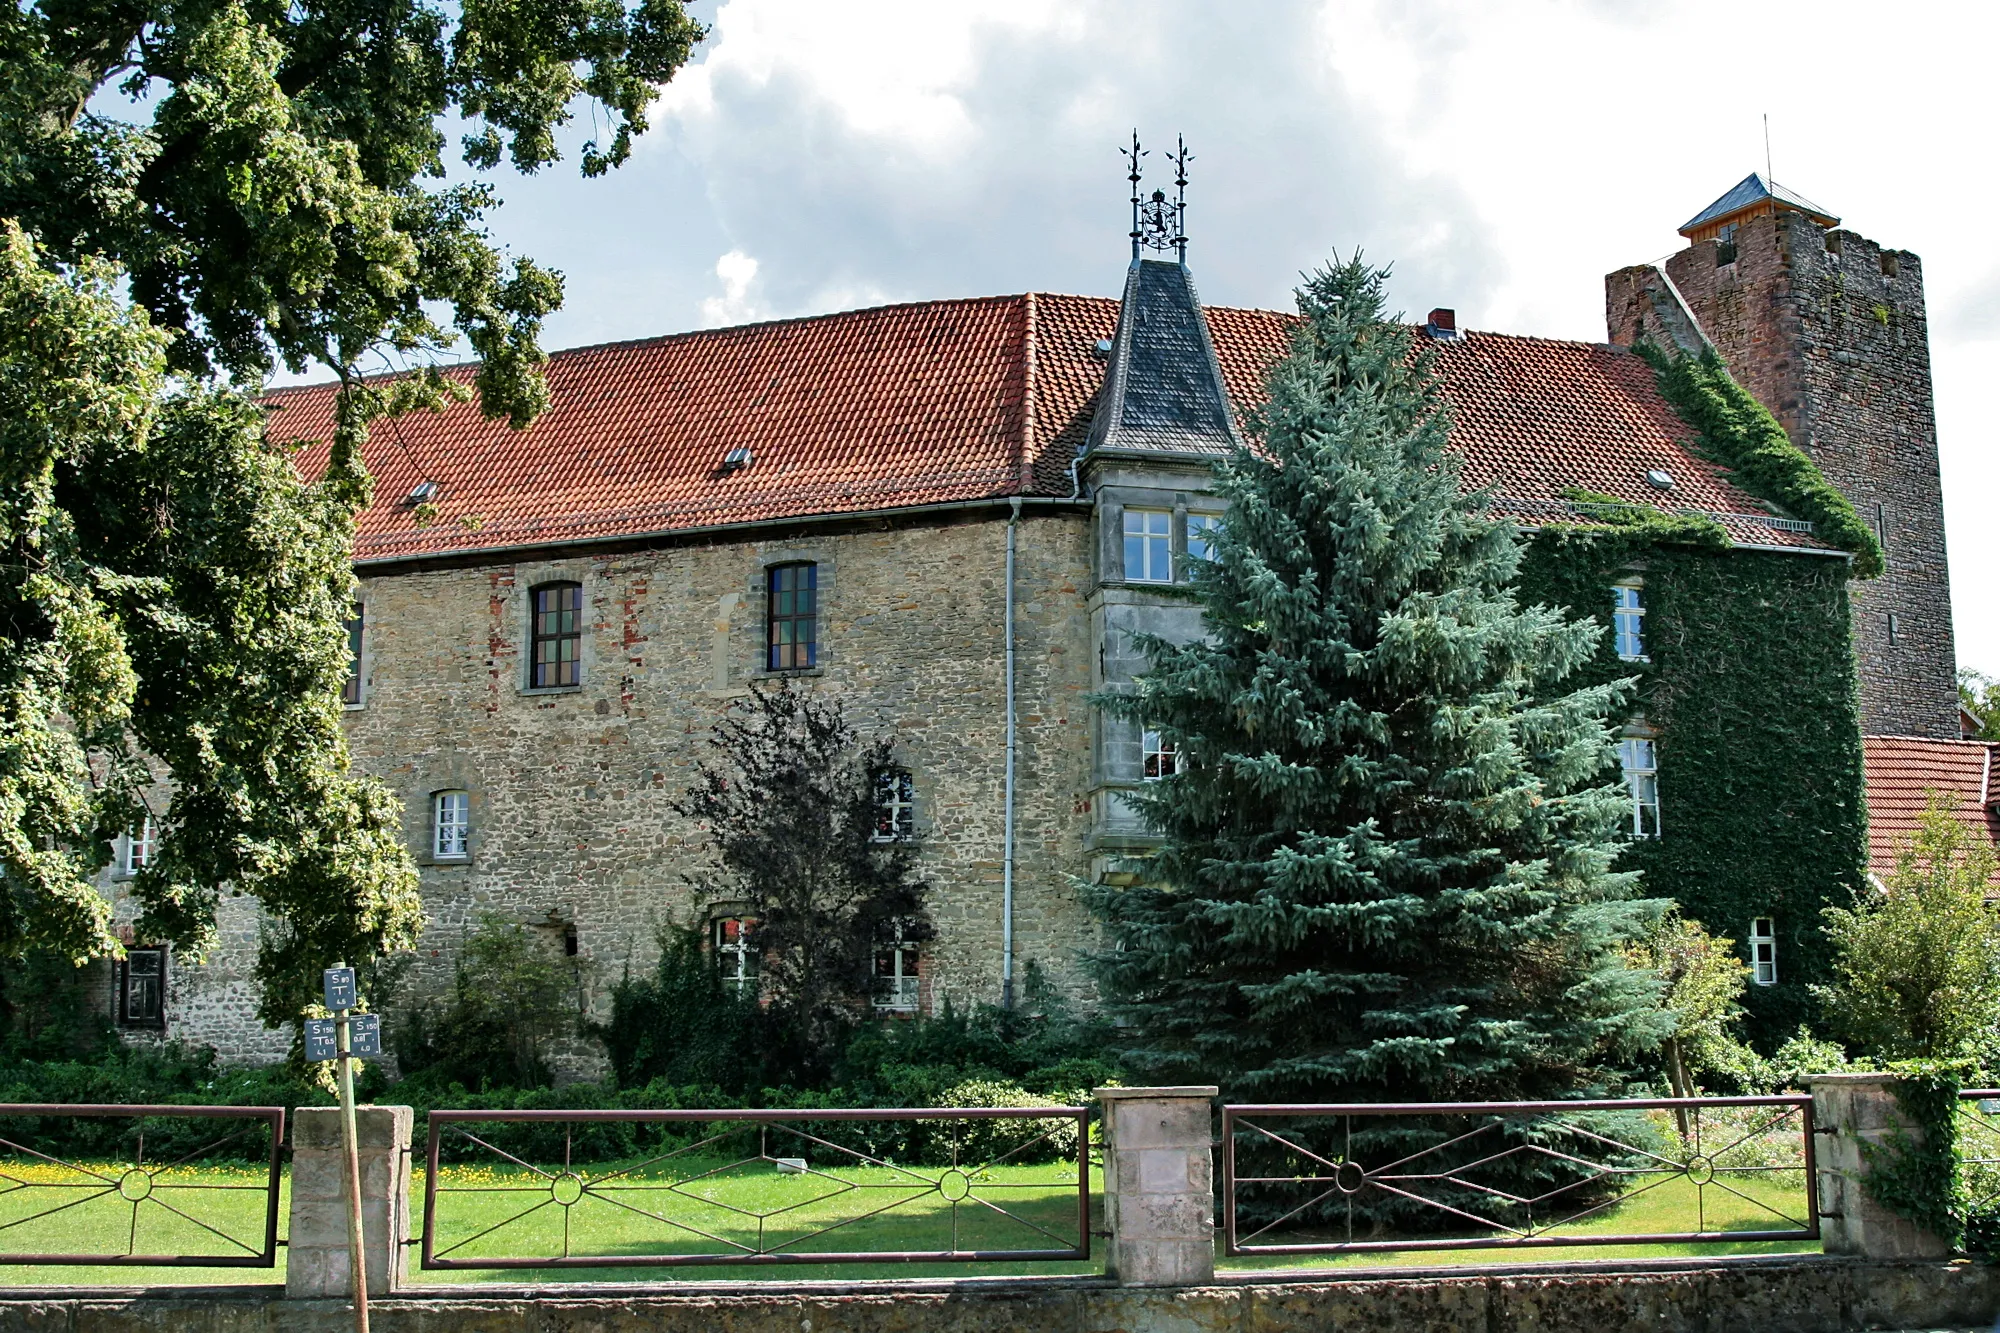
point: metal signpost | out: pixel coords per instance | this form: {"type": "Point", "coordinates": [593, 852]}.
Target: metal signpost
{"type": "Point", "coordinates": [340, 998]}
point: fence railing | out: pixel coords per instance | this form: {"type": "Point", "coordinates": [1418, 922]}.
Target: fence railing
{"type": "Point", "coordinates": [1464, 1175]}
{"type": "Point", "coordinates": [573, 1189]}
{"type": "Point", "coordinates": [136, 1185]}
{"type": "Point", "coordinates": [1979, 1146]}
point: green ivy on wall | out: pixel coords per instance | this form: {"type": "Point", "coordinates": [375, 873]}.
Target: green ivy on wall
{"type": "Point", "coordinates": [1749, 680]}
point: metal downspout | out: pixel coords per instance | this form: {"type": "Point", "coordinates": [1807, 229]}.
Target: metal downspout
{"type": "Point", "coordinates": [1007, 850]}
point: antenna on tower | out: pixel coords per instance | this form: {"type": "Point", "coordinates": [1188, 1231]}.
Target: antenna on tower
{"type": "Point", "coordinates": [1769, 179]}
{"type": "Point", "coordinates": [1181, 158]}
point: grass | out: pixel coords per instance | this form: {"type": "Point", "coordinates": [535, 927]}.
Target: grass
{"type": "Point", "coordinates": [504, 1210]}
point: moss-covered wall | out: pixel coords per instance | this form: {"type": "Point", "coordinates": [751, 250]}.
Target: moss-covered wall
{"type": "Point", "coordinates": [1751, 685]}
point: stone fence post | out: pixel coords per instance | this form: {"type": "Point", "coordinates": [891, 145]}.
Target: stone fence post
{"type": "Point", "coordinates": [316, 1258]}
{"type": "Point", "coordinates": [1850, 1110]}
{"type": "Point", "coordinates": [1159, 1186]}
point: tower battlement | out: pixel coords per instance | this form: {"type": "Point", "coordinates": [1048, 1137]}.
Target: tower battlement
{"type": "Point", "coordinates": [1828, 330]}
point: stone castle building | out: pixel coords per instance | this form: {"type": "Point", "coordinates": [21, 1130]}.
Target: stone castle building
{"type": "Point", "coordinates": [953, 515]}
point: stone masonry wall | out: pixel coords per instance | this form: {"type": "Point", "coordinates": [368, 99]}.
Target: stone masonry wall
{"type": "Point", "coordinates": [571, 790]}
{"type": "Point", "coordinates": [1828, 330]}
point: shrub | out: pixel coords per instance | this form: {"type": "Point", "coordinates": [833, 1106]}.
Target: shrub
{"type": "Point", "coordinates": [511, 997]}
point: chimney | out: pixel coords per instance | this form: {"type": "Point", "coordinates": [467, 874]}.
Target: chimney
{"type": "Point", "coordinates": [1443, 323]}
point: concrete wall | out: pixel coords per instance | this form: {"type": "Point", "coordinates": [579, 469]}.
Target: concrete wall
{"type": "Point", "coordinates": [1828, 329]}
{"type": "Point", "coordinates": [1804, 1295]}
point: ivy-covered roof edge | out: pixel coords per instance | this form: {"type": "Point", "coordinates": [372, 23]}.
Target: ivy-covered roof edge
{"type": "Point", "coordinates": [1739, 433]}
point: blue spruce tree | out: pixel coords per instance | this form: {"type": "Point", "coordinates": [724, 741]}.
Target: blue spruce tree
{"type": "Point", "coordinates": [1386, 867]}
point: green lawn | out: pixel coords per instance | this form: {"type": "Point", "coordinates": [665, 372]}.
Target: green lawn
{"type": "Point", "coordinates": [506, 1210]}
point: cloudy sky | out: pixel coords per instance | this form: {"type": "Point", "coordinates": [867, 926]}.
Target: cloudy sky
{"type": "Point", "coordinates": [1504, 154]}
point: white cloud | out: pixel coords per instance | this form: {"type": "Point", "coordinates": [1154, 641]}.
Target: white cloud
{"type": "Point", "coordinates": [1504, 155]}
{"type": "Point", "coordinates": [737, 271]}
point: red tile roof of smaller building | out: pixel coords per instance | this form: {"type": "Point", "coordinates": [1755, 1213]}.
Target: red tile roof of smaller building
{"type": "Point", "coordinates": [941, 402]}
{"type": "Point", "coordinates": [1904, 770]}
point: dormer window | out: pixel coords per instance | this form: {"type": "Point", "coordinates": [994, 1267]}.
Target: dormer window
{"type": "Point", "coordinates": [1149, 556]}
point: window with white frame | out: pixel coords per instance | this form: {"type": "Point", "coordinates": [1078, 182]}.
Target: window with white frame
{"type": "Point", "coordinates": [1628, 619]}
{"type": "Point", "coordinates": [1639, 761]}
{"type": "Point", "coordinates": [896, 971]}
{"type": "Point", "coordinates": [1764, 951]}
{"type": "Point", "coordinates": [451, 821]}
{"type": "Point", "coordinates": [1159, 756]}
{"type": "Point", "coordinates": [1149, 556]}
{"type": "Point", "coordinates": [735, 957]}
{"type": "Point", "coordinates": [1202, 531]}
{"type": "Point", "coordinates": [140, 841]}
{"type": "Point", "coordinates": [895, 805]}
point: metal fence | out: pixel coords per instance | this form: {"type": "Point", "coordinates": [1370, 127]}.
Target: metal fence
{"type": "Point", "coordinates": [576, 1189]}
{"type": "Point", "coordinates": [1979, 1147]}
{"type": "Point", "coordinates": [1463, 1175]}
{"type": "Point", "coordinates": [202, 1197]}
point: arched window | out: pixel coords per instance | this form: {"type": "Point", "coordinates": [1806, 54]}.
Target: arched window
{"type": "Point", "coordinates": [557, 636]}
{"type": "Point", "coordinates": [792, 615]}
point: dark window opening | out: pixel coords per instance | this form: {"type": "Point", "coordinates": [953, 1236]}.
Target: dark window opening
{"type": "Point", "coordinates": [1725, 245]}
{"type": "Point", "coordinates": [1895, 629]}
{"type": "Point", "coordinates": [350, 689]}
{"type": "Point", "coordinates": [793, 618]}
{"type": "Point", "coordinates": [558, 635]}
{"type": "Point", "coordinates": [142, 988]}
{"type": "Point", "coordinates": [569, 940]}
{"type": "Point", "coordinates": [1891, 266]}
{"type": "Point", "coordinates": [1833, 242]}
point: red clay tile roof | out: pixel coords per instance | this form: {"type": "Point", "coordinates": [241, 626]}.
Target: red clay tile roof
{"type": "Point", "coordinates": [1902, 770]}
{"type": "Point", "coordinates": [940, 402]}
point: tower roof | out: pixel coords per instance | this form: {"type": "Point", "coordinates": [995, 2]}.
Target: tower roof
{"type": "Point", "coordinates": [1163, 390]}
{"type": "Point", "coordinates": [1755, 194]}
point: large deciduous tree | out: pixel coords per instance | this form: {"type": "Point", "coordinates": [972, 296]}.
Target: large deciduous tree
{"type": "Point", "coordinates": [1385, 869]}
{"type": "Point", "coordinates": [269, 193]}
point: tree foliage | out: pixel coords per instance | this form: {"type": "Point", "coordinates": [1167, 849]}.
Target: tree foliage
{"type": "Point", "coordinates": [1979, 696]}
{"type": "Point", "coordinates": [789, 807]}
{"type": "Point", "coordinates": [1917, 963]}
{"type": "Point", "coordinates": [173, 594]}
{"type": "Point", "coordinates": [1385, 869]}
{"type": "Point", "coordinates": [1703, 982]}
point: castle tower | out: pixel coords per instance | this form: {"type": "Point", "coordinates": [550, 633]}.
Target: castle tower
{"type": "Point", "coordinates": [1828, 330]}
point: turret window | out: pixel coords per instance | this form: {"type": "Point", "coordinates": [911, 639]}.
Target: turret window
{"type": "Point", "coordinates": [1149, 556]}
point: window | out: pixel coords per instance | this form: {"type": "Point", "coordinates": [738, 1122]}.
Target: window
{"type": "Point", "coordinates": [558, 636]}
{"type": "Point", "coordinates": [896, 972]}
{"type": "Point", "coordinates": [1628, 619]}
{"type": "Point", "coordinates": [142, 988]}
{"type": "Point", "coordinates": [451, 819]}
{"type": "Point", "coordinates": [735, 959]}
{"type": "Point", "coordinates": [1764, 951]}
{"type": "Point", "coordinates": [139, 844]}
{"type": "Point", "coordinates": [1725, 244]}
{"type": "Point", "coordinates": [793, 613]}
{"type": "Point", "coordinates": [895, 805]}
{"type": "Point", "coordinates": [1161, 757]}
{"type": "Point", "coordinates": [1202, 530]}
{"type": "Point", "coordinates": [350, 689]}
{"type": "Point", "coordinates": [1895, 629]}
{"type": "Point", "coordinates": [1149, 546]}
{"type": "Point", "coordinates": [1641, 767]}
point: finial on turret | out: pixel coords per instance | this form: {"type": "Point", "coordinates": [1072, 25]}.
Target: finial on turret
{"type": "Point", "coordinates": [1157, 224]}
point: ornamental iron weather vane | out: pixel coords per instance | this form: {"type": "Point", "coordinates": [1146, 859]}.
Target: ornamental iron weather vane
{"type": "Point", "coordinates": [1157, 224]}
